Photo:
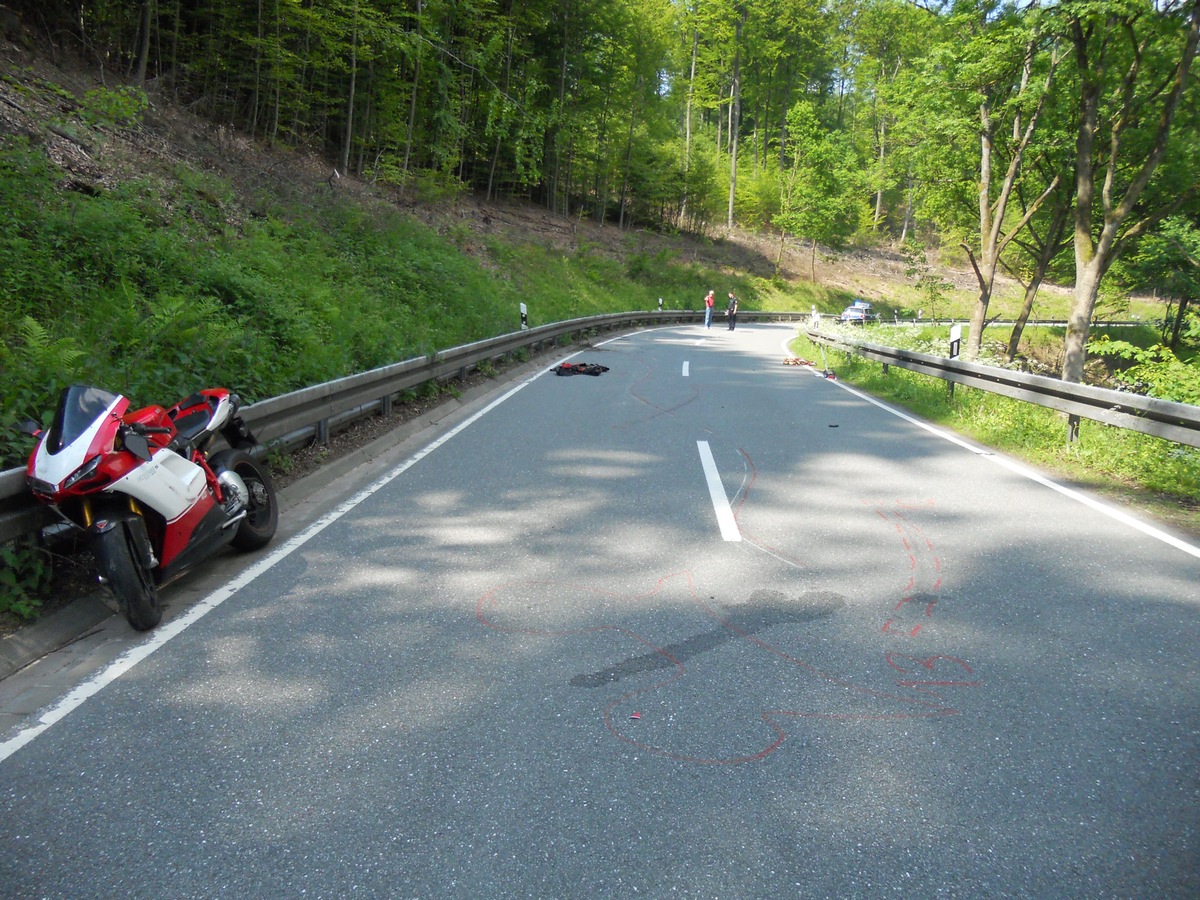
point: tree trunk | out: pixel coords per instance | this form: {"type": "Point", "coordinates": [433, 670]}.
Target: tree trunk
{"type": "Point", "coordinates": [600, 175]}
{"type": "Point", "coordinates": [1083, 302]}
{"type": "Point", "coordinates": [143, 56]}
{"type": "Point", "coordinates": [1014, 339]}
{"type": "Point", "coordinates": [276, 82]}
{"type": "Point", "coordinates": [783, 110]}
{"type": "Point", "coordinates": [985, 273]}
{"type": "Point", "coordinates": [734, 115]}
{"type": "Point", "coordinates": [1094, 255]}
{"type": "Point", "coordinates": [687, 130]}
{"type": "Point", "coordinates": [258, 53]}
{"type": "Point", "coordinates": [908, 211]}
{"type": "Point", "coordinates": [508, 55]}
{"type": "Point", "coordinates": [1177, 325]}
{"type": "Point", "coordinates": [628, 158]}
{"type": "Point", "coordinates": [349, 138]}
{"type": "Point", "coordinates": [560, 182]}
{"type": "Point", "coordinates": [879, 190]}
{"type": "Point", "coordinates": [1049, 250]}
{"type": "Point", "coordinates": [992, 240]}
{"type": "Point", "coordinates": [720, 121]}
{"type": "Point", "coordinates": [412, 102]}
{"type": "Point", "coordinates": [173, 68]}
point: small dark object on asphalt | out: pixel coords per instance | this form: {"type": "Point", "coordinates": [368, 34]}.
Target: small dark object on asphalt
{"type": "Point", "coordinates": [580, 369]}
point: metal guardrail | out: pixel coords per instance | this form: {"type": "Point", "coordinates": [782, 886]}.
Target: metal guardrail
{"type": "Point", "coordinates": [1178, 422]}
{"type": "Point", "coordinates": [317, 412]}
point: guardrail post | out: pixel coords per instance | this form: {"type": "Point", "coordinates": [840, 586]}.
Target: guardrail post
{"type": "Point", "coordinates": [323, 431]}
{"type": "Point", "coordinates": [1072, 428]}
{"type": "Point", "coordinates": [385, 405]}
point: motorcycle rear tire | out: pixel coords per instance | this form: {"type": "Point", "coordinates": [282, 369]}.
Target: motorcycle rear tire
{"type": "Point", "coordinates": [129, 581]}
{"type": "Point", "coordinates": [262, 509]}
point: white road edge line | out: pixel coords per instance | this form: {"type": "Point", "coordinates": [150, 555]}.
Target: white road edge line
{"type": "Point", "coordinates": [685, 368]}
{"type": "Point", "coordinates": [161, 635]}
{"type": "Point", "coordinates": [725, 519]}
{"type": "Point", "coordinates": [1013, 466]}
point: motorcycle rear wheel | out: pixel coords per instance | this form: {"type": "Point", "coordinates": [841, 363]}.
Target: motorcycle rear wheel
{"type": "Point", "coordinates": [262, 509]}
{"type": "Point", "coordinates": [129, 581]}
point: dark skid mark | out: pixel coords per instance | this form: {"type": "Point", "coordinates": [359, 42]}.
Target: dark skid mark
{"type": "Point", "coordinates": [764, 609]}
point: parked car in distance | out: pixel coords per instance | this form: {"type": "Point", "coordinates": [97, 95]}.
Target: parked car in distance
{"type": "Point", "coordinates": [859, 314]}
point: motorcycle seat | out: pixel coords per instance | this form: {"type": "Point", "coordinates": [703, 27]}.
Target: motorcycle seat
{"type": "Point", "coordinates": [191, 425]}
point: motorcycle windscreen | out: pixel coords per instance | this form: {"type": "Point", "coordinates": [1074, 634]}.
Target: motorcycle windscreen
{"type": "Point", "coordinates": [78, 408]}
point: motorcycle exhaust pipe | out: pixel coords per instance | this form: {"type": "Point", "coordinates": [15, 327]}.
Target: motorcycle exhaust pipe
{"type": "Point", "coordinates": [234, 520]}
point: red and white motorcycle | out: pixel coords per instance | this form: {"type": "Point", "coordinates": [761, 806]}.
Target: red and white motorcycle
{"type": "Point", "coordinates": [143, 488]}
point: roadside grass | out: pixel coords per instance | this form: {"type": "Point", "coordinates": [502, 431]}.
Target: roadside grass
{"type": "Point", "coordinates": [1159, 477]}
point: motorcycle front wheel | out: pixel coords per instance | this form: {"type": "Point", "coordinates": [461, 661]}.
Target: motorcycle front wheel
{"type": "Point", "coordinates": [129, 581]}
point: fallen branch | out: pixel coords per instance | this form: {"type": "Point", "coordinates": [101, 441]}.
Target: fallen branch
{"type": "Point", "coordinates": [66, 135]}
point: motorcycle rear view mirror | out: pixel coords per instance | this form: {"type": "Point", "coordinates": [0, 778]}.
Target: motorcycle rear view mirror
{"type": "Point", "coordinates": [29, 427]}
{"type": "Point", "coordinates": [137, 445]}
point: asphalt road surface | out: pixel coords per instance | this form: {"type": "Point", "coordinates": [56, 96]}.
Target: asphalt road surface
{"type": "Point", "coordinates": [705, 625]}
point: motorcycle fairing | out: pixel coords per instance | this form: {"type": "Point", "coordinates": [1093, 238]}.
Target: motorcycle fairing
{"type": "Point", "coordinates": [83, 429]}
{"type": "Point", "coordinates": [78, 409]}
{"type": "Point", "coordinates": [168, 484]}
{"type": "Point", "coordinates": [193, 538]}
{"type": "Point", "coordinates": [177, 489]}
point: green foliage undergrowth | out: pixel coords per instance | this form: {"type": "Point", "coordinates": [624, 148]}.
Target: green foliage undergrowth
{"type": "Point", "coordinates": [24, 575]}
{"type": "Point", "coordinates": [157, 287]}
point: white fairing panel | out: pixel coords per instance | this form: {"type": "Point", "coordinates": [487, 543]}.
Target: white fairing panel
{"type": "Point", "coordinates": [169, 484]}
{"type": "Point", "coordinates": [54, 468]}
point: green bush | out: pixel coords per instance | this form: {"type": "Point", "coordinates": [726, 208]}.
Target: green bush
{"type": "Point", "coordinates": [24, 576]}
{"type": "Point", "coordinates": [31, 359]}
{"type": "Point", "coordinates": [123, 106]}
{"type": "Point", "coordinates": [1154, 370]}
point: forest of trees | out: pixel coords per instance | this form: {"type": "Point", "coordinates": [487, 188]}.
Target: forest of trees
{"type": "Point", "coordinates": [1047, 140]}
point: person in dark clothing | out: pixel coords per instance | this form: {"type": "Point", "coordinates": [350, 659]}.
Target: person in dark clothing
{"type": "Point", "coordinates": [731, 311]}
